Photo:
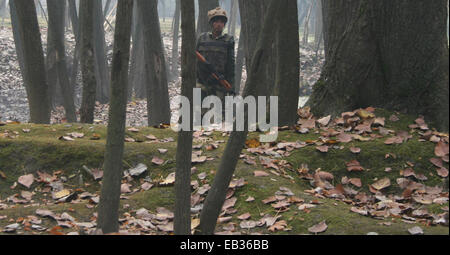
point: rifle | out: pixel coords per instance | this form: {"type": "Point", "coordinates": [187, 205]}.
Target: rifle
{"type": "Point", "coordinates": [219, 77]}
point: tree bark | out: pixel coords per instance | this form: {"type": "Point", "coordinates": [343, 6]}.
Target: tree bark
{"type": "Point", "coordinates": [176, 30]}
{"type": "Point", "coordinates": [239, 64]}
{"type": "Point", "coordinates": [138, 76]}
{"type": "Point", "coordinates": [157, 90]}
{"type": "Point", "coordinates": [33, 60]}
{"type": "Point", "coordinates": [203, 7]}
{"type": "Point", "coordinates": [101, 62]}
{"type": "Point", "coordinates": [56, 21]}
{"type": "Point", "coordinates": [306, 24]}
{"type": "Point", "coordinates": [216, 195]}
{"type": "Point", "coordinates": [378, 53]}
{"type": "Point", "coordinates": [252, 16]}
{"type": "Point", "coordinates": [76, 31]}
{"type": "Point", "coordinates": [233, 18]}
{"type": "Point", "coordinates": [182, 221]}
{"type": "Point", "coordinates": [87, 61]}
{"type": "Point", "coordinates": [288, 64]}
{"type": "Point", "coordinates": [108, 213]}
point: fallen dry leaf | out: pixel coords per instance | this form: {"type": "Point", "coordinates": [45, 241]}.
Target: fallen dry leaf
{"type": "Point", "coordinates": [322, 148]}
{"type": "Point", "coordinates": [279, 225]}
{"type": "Point", "coordinates": [125, 188]}
{"type": "Point", "coordinates": [319, 228]}
{"type": "Point", "coordinates": [170, 179]}
{"type": "Point", "coordinates": [381, 184]}
{"type": "Point", "coordinates": [441, 149]}
{"type": "Point", "coordinates": [157, 161]}
{"type": "Point", "coordinates": [355, 150]}
{"type": "Point", "coordinates": [356, 182]}
{"type": "Point", "coordinates": [26, 180]}
{"type": "Point", "coordinates": [344, 138]}
{"type": "Point", "coordinates": [393, 140]}
{"type": "Point", "coordinates": [354, 165]}
{"type": "Point", "coordinates": [324, 121]}
{"type": "Point", "coordinates": [260, 173]}
{"type": "Point", "coordinates": [442, 172]}
{"type": "Point", "coordinates": [244, 216]}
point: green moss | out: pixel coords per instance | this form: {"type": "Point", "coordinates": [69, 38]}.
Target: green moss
{"type": "Point", "coordinates": [41, 150]}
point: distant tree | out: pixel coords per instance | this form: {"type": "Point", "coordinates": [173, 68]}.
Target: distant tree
{"type": "Point", "coordinates": [216, 195]}
{"type": "Point", "coordinates": [87, 61]}
{"type": "Point", "coordinates": [139, 77]}
{"type": "Point", "coordinates": [56, 21]}
{"type": "Point", "coordinates": [108, 213]}
{"type": "Point", "coordinates": [182, 221]}
{"type": "Point", "coordinates": [390, 54]}
{"type": "Point", "coordinates": [157, 89]}
{"type": "Point", "coordinates": [33, 71]}
{"type": "Point", "coordinates": [176, 30]}
{"type": "Point", "coordinates": [101, 63]}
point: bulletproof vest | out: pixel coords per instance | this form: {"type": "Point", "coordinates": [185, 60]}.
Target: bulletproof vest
{"type": "Point", "coordinates": [215, 52]}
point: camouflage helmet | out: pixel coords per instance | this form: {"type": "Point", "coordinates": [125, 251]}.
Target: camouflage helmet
{"type": "Point", "coordinates": [217, 12]}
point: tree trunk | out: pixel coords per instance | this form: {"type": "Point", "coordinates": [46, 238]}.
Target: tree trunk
{"type": "Point", "coordinates": [138, 76]}
{"type": "Point", "coordinates": [378, 53]}
{"type": "Point", "coordinates": [182, 221]}
{"type": "Point", "coordinates": [76, 58]}
{"type": "Point", "coordinates": [87, 61]}
{"type": "Point", "coordinates": [56, 10]}
{"type": "Point", "coordinates": [216, 195]}
{"type": "Point", "coordinates": [176, 30]}
{"type": "Point", "coordinates": [203, 7]}
{"type": "Point", "coordinates": [318, 23]}
{"type": "Point", "coordinates": [106, 9]}
{"type": "Point", "coordinates": [108, 213]}
{"type": "Point", "coordinates": [51, 69]}
{"type": "Point", "coordinates": [34, 65]}
{"type": "Point", "coordinates": [233, 18]}
{"type": "Point", "coordinates": [252, 16]}
{"type": "Point", "coordinates": [18, 42]}
{"type": "Point", "coordinates": [101, 62]}
{"type": "Point", "coordinates": [288, 65]}
{"type": "Point", "coordinates": [306, 25]}
{"type": "Point", "coordinates": [157, 90]}
{"type": "Point", "coordinates": [239, 64]}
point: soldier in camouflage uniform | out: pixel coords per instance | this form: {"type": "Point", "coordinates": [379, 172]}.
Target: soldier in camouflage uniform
{"type": "Point", "coordinates": [218, 49]}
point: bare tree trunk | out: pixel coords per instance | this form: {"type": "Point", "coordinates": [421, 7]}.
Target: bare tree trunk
{"type": "Point", "coordinates": [176, 30]}
{"type": "Point", "coordinates": [203, 7]}
{"type": "Point", "coordinates": [378, 53]}
{"type": "Point", "coordinates": [306, 24]}
{"type": "Point", "coordinates": [239, 63]}
{"type": "Point", "coordinates": [56, 11]}
{"type": "Point", "coordinates": [139, 77]}
{"type": "Point", "coordinates": [216, 195]}
{"type": "Point", "coordinates": [18, 42]}
{"type": "Point", "coordinates": [318, 24]}
{"type": "Point", "coordinates": [233, 17]}
{"type": "Point", "coordinates": [106, 9]}
{"type": "Point", "coordinates": [34, 65]}
{"type": "Point", "coordinates": [108, 213]}
{"type": "Point", "coordinates": [288, 65]}
{"type": "Point", "coordinates": [76, 31]}
{"type": "Point", "coordinates": [182, 221]}
{"type": "Point", "coordinates": [87, 61]}
{"type": "Point", "coordinates": [157, 90]}
{"type": "Point", "coordinates": [101, 62]}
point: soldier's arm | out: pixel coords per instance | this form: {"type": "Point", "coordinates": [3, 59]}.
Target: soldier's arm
{"type": "Point", "coordinates": [231, 60]}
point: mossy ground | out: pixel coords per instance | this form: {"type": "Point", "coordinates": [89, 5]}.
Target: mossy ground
{"type": "Point", "coordinates": [41, 150]}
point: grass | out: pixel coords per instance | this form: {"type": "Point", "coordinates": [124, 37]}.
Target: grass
{"type": "Point", "coordinates": [41, 150]}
